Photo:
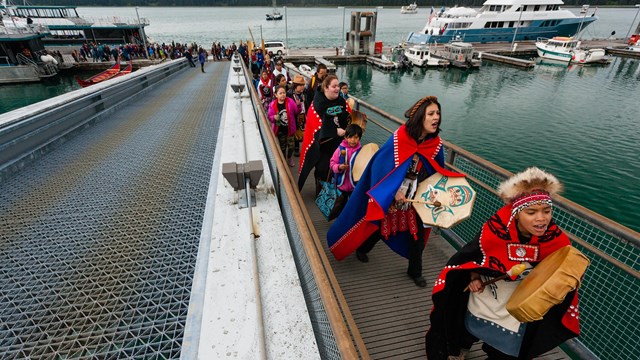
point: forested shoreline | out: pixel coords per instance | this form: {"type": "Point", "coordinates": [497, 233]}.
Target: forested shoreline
{"type": "Point", "coordinates": [305, 3]}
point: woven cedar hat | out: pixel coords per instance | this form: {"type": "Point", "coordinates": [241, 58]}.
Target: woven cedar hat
{"type": "Point", "coordinates": [298, 80]}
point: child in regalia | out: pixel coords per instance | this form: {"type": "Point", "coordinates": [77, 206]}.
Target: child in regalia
{"type": "Point", "coordinates": [341, 164]}
{"type": "Point", "coordinates": [521, 232]}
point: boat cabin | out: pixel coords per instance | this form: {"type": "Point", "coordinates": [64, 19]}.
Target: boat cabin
{"type": "Point", "coordinates": [458, 51]}
{"type": "Point", "coordinates": [67, 27]}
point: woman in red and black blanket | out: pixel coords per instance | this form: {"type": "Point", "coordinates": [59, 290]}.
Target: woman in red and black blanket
{"type": "Point", "coordinates": [327, 118]}
{"type": "Point", "coordinates": [522, 231]}
{"type": "Point", "coordinates": [377, 208]}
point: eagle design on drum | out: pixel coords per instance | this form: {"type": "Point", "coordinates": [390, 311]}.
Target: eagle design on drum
{"type": "Point", "coordinates": [457, 195]}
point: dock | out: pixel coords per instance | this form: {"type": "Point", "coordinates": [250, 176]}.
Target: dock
{"type": "Point", "coordinates": [380, 63]}
{"type": "Point", "coordinates": [623, 52]}
{"type": "Point", "coordinates": [123, 236]}
{"type": "Point", "coordinates": [331, 67]}
{"type": "Point", "coordinates": [508, 60]}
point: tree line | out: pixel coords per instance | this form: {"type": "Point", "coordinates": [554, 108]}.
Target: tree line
{"type": "Point", "coordinates": [267, 3]}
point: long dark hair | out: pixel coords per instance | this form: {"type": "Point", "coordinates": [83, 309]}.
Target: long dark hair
{"type": "Point", "coordinates": [415, 116]}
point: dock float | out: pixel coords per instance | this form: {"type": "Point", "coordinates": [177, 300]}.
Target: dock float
{"type": "Point", "coordinates": [331, 67]}
{"type": "Point", "coordinates": [381, 63]}
{"type": "Point", "coordinates": [508, 60]}
{"type": "Point", "coordinates": [623, 52]}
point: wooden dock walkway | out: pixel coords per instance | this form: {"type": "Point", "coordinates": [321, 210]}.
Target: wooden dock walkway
{"type": "Point", "coordinates": [391, 313]}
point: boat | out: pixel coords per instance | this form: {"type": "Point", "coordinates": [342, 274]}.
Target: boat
{"type": "Point", "coordinates": [567, 49]}
{"type": "Point", "coordinates": [399, 57]}
{"type": "Point", "coordinates": [66, 27]}
{"type": "Point", "coordinates": [502, 21]}
{"type": "Point", "coordinates": [23, 57]}
{"type": "Point", "coordinates": [274, 14]}
{"type": "Point", "coordinates": [420, 56]}
{"type": "Point", "coordinates": [105, 75]}
{"type": "Point", "coordinates": [306, 70]}
{"type": "Point", "coordinates": [409, 9]}
{"type": "Point", "coordinates": [459, 54]}
{"type": "Point", "coordinates": [126, 70]}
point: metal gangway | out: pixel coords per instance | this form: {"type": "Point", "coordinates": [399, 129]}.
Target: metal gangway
{"type": "Point", "coordinates": [102, 204]}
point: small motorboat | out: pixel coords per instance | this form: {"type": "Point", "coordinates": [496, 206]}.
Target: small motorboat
{"type": "Point", "coordinates": [459, 54]}
{"type": "Point", "coordinates": [105, 75]}
{"type": "Point", "coordinates": [420, 55]}
{"type": "Point", "coordinates": [409, 9]}
{"type": "Point", "coordinates": [567, 49]}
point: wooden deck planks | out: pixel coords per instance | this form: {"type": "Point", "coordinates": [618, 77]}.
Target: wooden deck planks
{"type": "Point", "coordinates": [391, 313]}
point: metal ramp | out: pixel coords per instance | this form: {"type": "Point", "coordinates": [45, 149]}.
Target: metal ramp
{"type": "Point", "coordinates": [99, 239]}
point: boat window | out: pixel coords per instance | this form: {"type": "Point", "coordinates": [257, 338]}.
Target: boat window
{"type": "Point", "coordinates": [511, 23]}
{"type": "Point", "coordinates": [525, 8]}
{"type": "Point", "coordinates": [536, 8]}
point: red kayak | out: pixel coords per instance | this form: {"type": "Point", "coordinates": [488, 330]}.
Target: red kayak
{"type": "Point", "coordinates": [105, 75]}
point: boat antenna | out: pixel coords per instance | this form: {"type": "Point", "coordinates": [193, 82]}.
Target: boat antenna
{"type": "Point", "coordinates": [586, 10]}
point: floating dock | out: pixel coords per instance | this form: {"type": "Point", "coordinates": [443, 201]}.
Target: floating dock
{"type": "Point", "coordinates": [381, 63]}
{"type": "Point", "coordinates": [508, 60]}
{"type": "Point", "coordinates": [623, 52]}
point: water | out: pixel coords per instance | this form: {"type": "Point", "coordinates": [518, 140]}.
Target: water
{"type": "Point", "coordinates": [580, 123]}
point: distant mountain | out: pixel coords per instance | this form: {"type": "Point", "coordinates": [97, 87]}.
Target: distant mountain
{"type": "Point", "coordinates": [267, 3]}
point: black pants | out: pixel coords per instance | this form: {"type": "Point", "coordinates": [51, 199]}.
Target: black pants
{"type": "Point", "coordinates": [416, 247]}
{"type": "Point", "coordinates": [327, 148]}
{"type": "Point", "coordinates": [495, 354]}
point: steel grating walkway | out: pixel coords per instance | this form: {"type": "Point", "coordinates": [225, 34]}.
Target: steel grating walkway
{"type": "Point", "coordinates": [99, 239]}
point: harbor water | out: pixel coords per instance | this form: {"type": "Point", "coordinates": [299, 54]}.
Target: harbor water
{"type": "Point", "coordinates": [581, 123]}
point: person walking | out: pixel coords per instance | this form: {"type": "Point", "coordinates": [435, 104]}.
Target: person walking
{"type": "Point", "coordinates": [202, 57]}
{"type": "Point", "coordinates": [379, 206]}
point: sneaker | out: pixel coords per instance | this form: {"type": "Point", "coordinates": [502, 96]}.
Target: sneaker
{"type": "Point", "coordinates": [362, 256]}
{"type": "Point", "coordinates": [290, 162]}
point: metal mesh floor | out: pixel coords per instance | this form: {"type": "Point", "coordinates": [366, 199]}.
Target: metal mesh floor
{"type": "Point", "coordinates": [99, 239]}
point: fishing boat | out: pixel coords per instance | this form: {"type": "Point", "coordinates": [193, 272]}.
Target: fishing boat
{"type": "Point", "coordinates": [105, 75]}
{"type": "Point", "coordinates": [567, 49]}
{"type": "Point", "coordinates": [459, 54]}
{"type": "Point", "coordinates": [502, 21]}
{"type": "Point", "coordinates": [23, 57]}
{"type": "Point", "coordinates": [420, 56]}
{"type": "Point", "coordinates": [66, 27]}
{"type": "Point", "coordinates": [274, 14]}
{"type": "Point", "coordinates": [409, 9]}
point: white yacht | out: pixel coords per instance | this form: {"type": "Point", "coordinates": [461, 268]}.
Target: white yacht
{"type": "Point", "coordinates": [409, 9]}
{"type": "Point", "coordinates": [500, 20]}
{"type": "Point", "coordinates": [567, 49]}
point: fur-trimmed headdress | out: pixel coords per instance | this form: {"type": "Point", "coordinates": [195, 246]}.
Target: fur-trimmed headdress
{"type": "Point", "coordinates": [530, 187]}
{"type": "Point", "coordinates": [528, 181]}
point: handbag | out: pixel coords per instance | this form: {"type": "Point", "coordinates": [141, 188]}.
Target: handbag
{"type": "Point", "coordinates": [327, 197]}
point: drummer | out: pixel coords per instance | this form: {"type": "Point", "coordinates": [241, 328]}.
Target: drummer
{"type": "Point", "coordinates": [378, 207]}
{"type": "Point", "coordinates": [522, 231]}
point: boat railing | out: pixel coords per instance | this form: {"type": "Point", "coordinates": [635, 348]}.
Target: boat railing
{"type": "Point", "coordinates": [336, 332]}
{"type": "Point", "coordinates": [613, 278]}
{"type": "Point", "coordinates": [4, 61]}
{"type": "Point", "coordinates": [116, 20]}
{"type": "Point", "coordinates": [24, 60]}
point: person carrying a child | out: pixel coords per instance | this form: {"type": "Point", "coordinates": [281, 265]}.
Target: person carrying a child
{"type": "Point", "coordinates": [282, 113]}
{"type": "Point", "coordinates": [341, 163]}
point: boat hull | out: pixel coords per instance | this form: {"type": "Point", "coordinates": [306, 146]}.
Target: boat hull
{"type": "Point", "coordinates": [567, 27]}
{"type": "Point", "coordinates": [18, 74]}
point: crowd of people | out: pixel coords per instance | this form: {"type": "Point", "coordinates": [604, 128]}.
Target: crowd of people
{"type": "Point", "coordinates": [314, 120]}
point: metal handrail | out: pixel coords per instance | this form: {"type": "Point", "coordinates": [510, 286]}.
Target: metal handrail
{"type": "Point", "coordinates": [347, 335]}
